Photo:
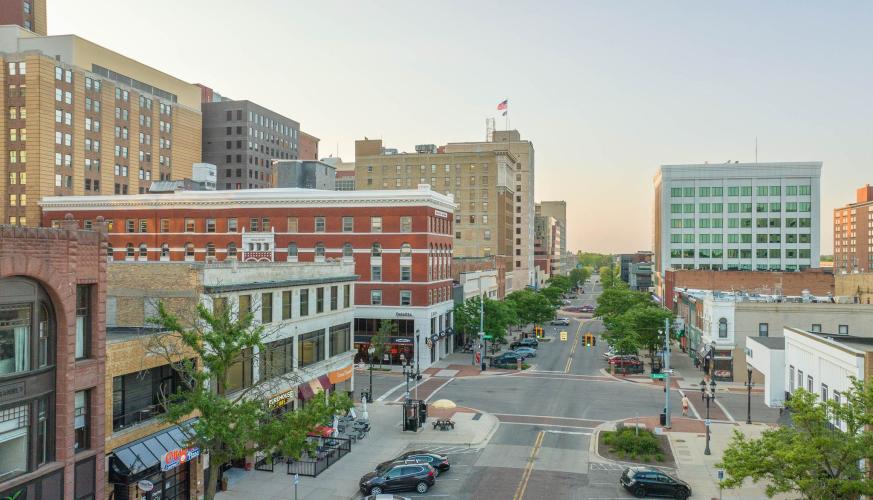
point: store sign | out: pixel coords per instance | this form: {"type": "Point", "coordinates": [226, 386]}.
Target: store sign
{"type": "Point", "coordinates": [402, 341]}
{"type": "Point", "coordinates": [441, 214]}
{"type": "Point", "coordinates": [404, 314]}
{"type": "Point", "coordinates": [280, 400]}
{"type": "Point", "coordinates": [145, 486]}
{"type": "Point", "coordinates": [175, 458]}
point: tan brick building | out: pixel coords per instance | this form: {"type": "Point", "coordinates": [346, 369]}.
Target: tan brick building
{"type": "Point", "coordinates": [480, 183]}
{"type": "Point", "coordinates": [853, 234]}
{"type": "Point", "coordinates": [80, 119]}
{"type": "Point", "coordinates": [858, 286]}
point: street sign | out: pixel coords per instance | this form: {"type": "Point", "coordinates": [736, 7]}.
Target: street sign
{"type": "Point", "coordinates": [707, 422]}
{"type": "Point", "coordinates": [563, 336]}
{"type": "Point", "coordinates": [296, 479]}
{"type": "Point", "coordinates": [721, 474]}
{"type": "Point", "coordinates": [487, 337]}
{"type": "Point", "coordinates": [658, 376]}
{"type": "Point", "coordinates": [670, 371]}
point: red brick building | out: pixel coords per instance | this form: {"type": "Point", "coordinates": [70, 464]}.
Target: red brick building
{"type": "Point", "coordinates": [818, 281]}
{"type": "Point", "coordinates": [399, 240]}
{"type": "Point", "coordinates": [307, 146]}
{"type": "Point", "coordinates": [853, 234]}
{"type": "Point", "coordinates": [52, 362]}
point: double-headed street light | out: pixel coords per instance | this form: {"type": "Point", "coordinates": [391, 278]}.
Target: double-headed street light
{"type": "Point", "coordinates": [371, 350]}
{"type": "Point", "coordinates": [708, 393]}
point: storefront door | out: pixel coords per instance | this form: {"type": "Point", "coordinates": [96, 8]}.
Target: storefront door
{"type": "Point", "coordinates": [170, 485]}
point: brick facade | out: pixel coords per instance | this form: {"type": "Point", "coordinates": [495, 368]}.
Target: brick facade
{"type": "Point", "coordinates": [859, 286]}
{"type": "Point", "coordinates": [817, 281]}
{"type": "Point", "coordinates": [59, 260]}
{"type": "Point", "coordinates": [467, 265]}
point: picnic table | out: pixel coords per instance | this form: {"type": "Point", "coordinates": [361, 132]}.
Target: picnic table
{"type": "Point", "coordinates": [443, 424]}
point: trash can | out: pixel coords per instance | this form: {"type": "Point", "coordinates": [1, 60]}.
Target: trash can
{"type": "Point", "coordinates": [422, 412]}
{"type": "Point", "coordinates": [663, 418]}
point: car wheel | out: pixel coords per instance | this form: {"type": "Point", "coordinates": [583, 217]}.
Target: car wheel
{"type": "Point", "coordinates": [376, 491]}
{"type": "Point", "coordinates": [639, 492]}
{"type": "Point", "coordinates": [681, 494]}
{"type": "Point", "coordinates": [421, 487]}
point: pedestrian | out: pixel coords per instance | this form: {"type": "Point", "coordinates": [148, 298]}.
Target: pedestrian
{"type": "Point", "coordinates": [685, 403]}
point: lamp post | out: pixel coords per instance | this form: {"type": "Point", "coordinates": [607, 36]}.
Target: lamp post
{"type": "Point", "coordinates": [408, 373]}
{"type": "Point", "coordinates": [371, 350]}
{"type": "Point", "coordinates": [417, 365]}
{"type": "Point", "coordinates": [749, 385]}
{"type": "Point", "coordinates": [708, 393]}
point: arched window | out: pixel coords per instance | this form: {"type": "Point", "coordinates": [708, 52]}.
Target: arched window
{"type": "Point", "coordinates": [210, 249]}
{"type": "Point", "coordinates": [319, 249]}
{"type": "Point", "coordinates": [231, 250]}
{"type": "Point", "coordinates": [722, 328]}
{"type": "Point", "coordinates": [376, 250]}
{"type": "Point", "coordinates": [143, 251]}
{"type": "Point", "coordinates": [348, 251]}
{"type": "Point", "coordinates": [131, 252]}
{"type": "Point", "coordinates": [292, 252]}
{"type": "Point", "coordinates": [406, 250]}
{"type": "Point", "coordinates": [189, 251]}
{"type": "Point", "coordinates": [165, 251]}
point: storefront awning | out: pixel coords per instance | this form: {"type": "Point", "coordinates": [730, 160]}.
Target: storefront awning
{"type": "Point", "coordinates": [340, 375]}
{"type": "Point", "coordinates": [129, 461]}
{"type": "Point", "coordinates": [405, 341]}
{"type": "Point", "coordinates": [325, 383]}
{"type": "Point", "coordinates": [304, 391]}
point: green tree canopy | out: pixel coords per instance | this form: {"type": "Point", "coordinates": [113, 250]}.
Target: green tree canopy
{"type": "Point", "coordinates": [813, 457]}
{"type": "Point", "coordinates": [381, 340]}
{"type": "Point", "coordinates": [616, 301]}
{"type": "Point", "coordinates": [593, 260]}
{"type": "Point", "coordinates": [644, 322]}
{"type": "Point", "coordinates": [230, 425]}
{"type": "Point", "coordinates": [498, 316]}
{"type": "Point", "coordinates": [610, 277]}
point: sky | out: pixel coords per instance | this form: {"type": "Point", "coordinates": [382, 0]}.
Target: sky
{"type": "Point", "coordinates": [607, 91]}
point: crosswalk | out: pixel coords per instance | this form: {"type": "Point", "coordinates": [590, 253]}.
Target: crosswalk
{"type": "Point", "coordinates": [453, 450]}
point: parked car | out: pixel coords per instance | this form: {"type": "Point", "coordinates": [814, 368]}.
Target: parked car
{"type": "Point", "coordinates": [645, 481]}
{"type": "Point", "coordinates": [572, 308]}
{"type": "Point", "coordinates": [586, 308]}
{"type": "Point", "coordinates": [615, 358]}
{"type": "Point", "coordinates": [627, 365]}
{"type": "Point", "coordinates": [399, 477]}
{"type": "Point", "coordinates": [526, 352]}
{"type": "Point", "coordinates": [507, 358]}
{"type": "Point", "coordinates": [525, 342]}
{"type": "Point", "coordinates": [561, 321]}
{"type": "Point", "coordinates": [439, 462]}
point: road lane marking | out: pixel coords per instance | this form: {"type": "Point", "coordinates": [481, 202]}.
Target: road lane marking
{"type": "Point", "coordinates": [438, 389]}
{"type": "Point", "coordinates": [525, 477]}
{"type": "Point", "coordinates": [566, 426]}
{"type": "Point", "coordinates": [573, 349]}
{"type": "Point", "coordinates": [498, 415]}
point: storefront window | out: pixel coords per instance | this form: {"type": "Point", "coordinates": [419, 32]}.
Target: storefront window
{"type": "Point", "coordinates": [311, 347]}
{"type": "Point", "coordinates": [15, 321]}
{"type": "Point", "coordinates": [13, 441]}
{"type": "Point", "coordinates": [136, 397]}
{"type": "Point", "coordinates": [340, 339]}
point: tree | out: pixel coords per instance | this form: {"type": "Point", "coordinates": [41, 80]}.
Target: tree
{"type": "Point", "coordinates": [560, 282]}
{"type": "Point", "coordinates": [593, 260]}
{"type": "Point", "coordinates": [812, 457]}
{"type": "Point", "coordinates": [614, 302]}
{"type": "Point", "coordinates": [531, 307]}
{"type": "Point", "coordinates": [644, 321]}
{"type": "Point", "coordinates": [610, 277]}
{"type": "Point", "coordinates": [553, 295]}
{"type": "Point", "coordinates": [230, 426]}
{"type": "Point", "coordinates": [382, 338]}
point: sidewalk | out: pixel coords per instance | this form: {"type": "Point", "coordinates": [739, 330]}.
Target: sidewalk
{"type": "Point", "coordinates": [386, 440]}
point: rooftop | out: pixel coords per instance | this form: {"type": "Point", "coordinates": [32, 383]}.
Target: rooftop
{"type": "Point", "coordinates": [777, 343]}
{"type": "Point", "coordinates": [741, 296]}
{"type": "Point", "coordinates": [860, 344]}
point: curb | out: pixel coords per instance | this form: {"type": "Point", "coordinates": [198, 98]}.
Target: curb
{"type": "Point", "coordinates": [592, 449]}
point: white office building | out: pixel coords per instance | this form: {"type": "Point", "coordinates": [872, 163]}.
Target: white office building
{"type": "Point", "coordinates": [737, 216]}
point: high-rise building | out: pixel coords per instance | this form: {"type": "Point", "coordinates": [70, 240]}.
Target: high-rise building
{"type": "Point", "coordinates": [242, 139]}
{"type": "Point", "coordinates": [481, 183]}
{"type": "Point", "coordinates": [80, 119]}
{"type": "Point", "coordinates": [547, 245]}
{"type": "Point", "coordinates": [522, 272]}
{"type": "Point", "coordinates": [29, 14]}
{"type": "Point", "coordinates": [558, 211]}
{"type": "Point", "coordinates": [853, 234]}
{"type": "Point", "coordinates": [737, 216]}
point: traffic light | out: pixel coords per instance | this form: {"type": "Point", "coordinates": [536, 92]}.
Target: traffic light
{"type": "Point", "coordinates": [538, 332]}
{"type": "Point", "coordinates": [590, 340]}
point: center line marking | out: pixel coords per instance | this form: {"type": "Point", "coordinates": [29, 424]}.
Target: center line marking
{"type": "Point", "coordinates": [525, 476]}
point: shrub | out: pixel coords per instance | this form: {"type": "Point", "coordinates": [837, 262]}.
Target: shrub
{"type": "Point", "coordinates": [625, 441]}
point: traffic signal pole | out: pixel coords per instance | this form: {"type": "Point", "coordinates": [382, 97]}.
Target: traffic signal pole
{"type": "Point", "coordinates": [667, 371]}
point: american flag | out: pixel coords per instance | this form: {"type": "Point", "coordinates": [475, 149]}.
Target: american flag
{"type": "Point", "coordinates": [503, 105]}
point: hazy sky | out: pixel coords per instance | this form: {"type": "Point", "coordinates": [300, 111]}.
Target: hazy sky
{"type": "Point", "coordinates": [607, 91]}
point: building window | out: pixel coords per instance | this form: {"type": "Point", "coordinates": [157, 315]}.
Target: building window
{"type": "Point", "coordinates": [319, 224]}
{"type": "Point", "coordinates": [334, 298]}
{"type": "Point", "coordinates": [319, 300]}
{"type": "Point", "coordinates": [375, 297]}
{"type": "Point", "coordinates": [136, 397]}
{"type": "Point", "coordinates": [763, 329]}
{"type": "Point", "coordinates": [210, 225]}
{"type": "Point", "coordinates": [790, 379]}
{"type": "Point", "coordinates": [405, 297]}
{"type": "Point", "coordinates": [375, 273]}
{"type": "Point", "coordinates": [231, 250]}
{"type": "Point", "coordinates": [816, 327]}
{"type": "Point", "coordinates": [843, 329]}
{"type": "Point", "coordinates": [347, 296]}
{"type": "Point", "coordinates": [376, 250]}
{"type": "Point", "coordinates": [292, 224]}
{"type": "Point", "coordinates": [277, 358]}
{"type": "Point", "coordinates": [189, 251]}
{"type": "Point", "coordinates": [348, 251]}
{"type": "Point", "coordinates": [81, 420]}
{"type": "Point", "coordinates": [405, 273]}
{"type": "Point", "coordinates": [292, 252]}
{"type": "Point", "coordinates": [83, 321]}
{"type": "Point", "coordinates": [231, 225]}
{"type": "Point", "coordinates": [340, 339]}
{"type": "Point", "coordinates": [189, 225]}
{"type": "Point", "coordinates": [304, 302]}
{"type": "Point", "coordinates": [375, 224]}
{"type": "Point", "coordinates": [245, 305]}
{"type": "Point", "coordinates": [809, 383]}
{"type": "Point", "coordinates": [319, 251]}
{"type": "Point", "coordinates": [406, 250]}
{"type": "Point", "coordinates": [266, 307]}
{"type": "Point", "coordinates": [348, 224]}
{"type": "Point", "coordinates": [405, 224]}
{"type": "Point", "coordinates": [239, 374]}
{"type": "Point", "coordinates": [722, 328]}
{"type": "Point", "coordinates": [310, 347]}
{"type": "Point", "coordinates": [210, 250]}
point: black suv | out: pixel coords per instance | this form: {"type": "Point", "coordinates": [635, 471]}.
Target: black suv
{"type": "Point", "coordinates": [645, 481]}
{"type": "Point", "coordinates": [508, 358]}
{"type": "Point", "coordinates": [400, 476]}
{"type": "Point", "coordinates": [525, 342]}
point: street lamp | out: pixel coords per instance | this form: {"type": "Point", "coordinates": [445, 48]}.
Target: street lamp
{"type": "Point", "coordinates": [408, 373]}
{"type": "Point", "coordinates": [749, 385]}
{"type": "Point", "coordinates": [708, 393]}
{"type": "Point", "coordinates": [371, 350]}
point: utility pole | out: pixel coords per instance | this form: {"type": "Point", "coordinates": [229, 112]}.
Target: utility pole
{"type": "Point", "coordinates": [482, 331]}
{"type": "Point", "coordinates": [667, 371]}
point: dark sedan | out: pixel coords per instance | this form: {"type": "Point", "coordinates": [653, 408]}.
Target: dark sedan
{"type": "Point", "coordinates": [399, 476]}
{"type": "Point", "coordinates": [646, 481]}
{"type": "Point", "coordinates": [435, 460]}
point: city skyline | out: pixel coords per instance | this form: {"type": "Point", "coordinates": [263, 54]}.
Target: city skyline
{"type": "Point", "coordinates": [678, 83]}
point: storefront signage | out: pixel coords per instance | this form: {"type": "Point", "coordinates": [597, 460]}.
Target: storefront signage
{"type": "Point", "coordinates": [175, 458]}
{"type": "Point", "coordinates": [280, 400]}
{"type": "Point", "coordinates": [404, 314]}
{"type": "Point", "coordinates": [11, 391]}
{"type": "Point", "coordinates": [402, 341]}
{"type": "Point", "coordinates": [340, 375]}
{"type": "Point", "coordinates": [441, 214]}
{"type": "Point", "coordinates": [145, 486]}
